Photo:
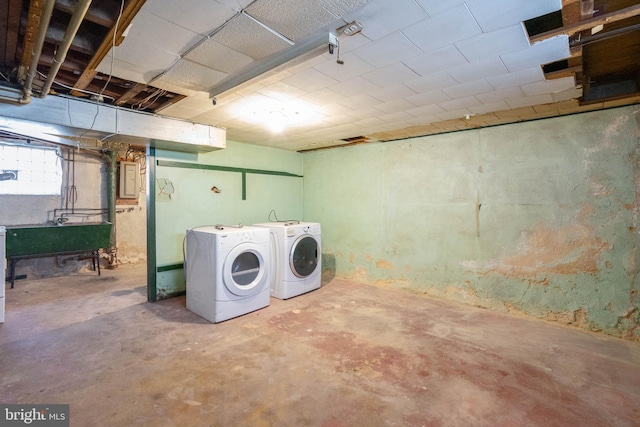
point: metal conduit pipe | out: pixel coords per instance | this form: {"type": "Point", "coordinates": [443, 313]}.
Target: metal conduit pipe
{"type": "Point", "coordinates": [69, 34]}
{"type": "Point", "coordinates": [45, 17]}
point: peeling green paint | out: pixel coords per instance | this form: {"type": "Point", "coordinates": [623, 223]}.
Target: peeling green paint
{"type": "Point", "coordinates": [539, 217]}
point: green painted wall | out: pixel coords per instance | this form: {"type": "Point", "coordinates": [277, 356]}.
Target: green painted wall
{"type": "Point", "coordinates": [537, 218]}
{"type": "Point", "coordinates": [184, 199]}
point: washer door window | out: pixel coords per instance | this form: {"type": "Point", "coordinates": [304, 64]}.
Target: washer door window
{"type": "Point", "coordinates": [244, 270]}
{"type": "Point", "coordinates": [304, 256]}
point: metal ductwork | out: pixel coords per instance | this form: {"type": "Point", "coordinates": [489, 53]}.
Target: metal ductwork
{"type": "Point", "coordinates": [69, 34]}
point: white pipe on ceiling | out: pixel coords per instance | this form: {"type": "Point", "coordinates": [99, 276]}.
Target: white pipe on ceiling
{"type": "Point", "coordinates": [69, 34]}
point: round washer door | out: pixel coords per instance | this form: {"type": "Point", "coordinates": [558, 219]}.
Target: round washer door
{"type": "Point", "coordinates": [244, 271]}
{"type": "Point", "coordinates": [303, 257]}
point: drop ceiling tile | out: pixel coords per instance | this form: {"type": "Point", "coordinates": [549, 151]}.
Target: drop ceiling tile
{"type": "Point", "coordinates": [438, 31]}
{"type": "Point", "coordinates": [477, 70]}
{"type": "Point", "coordinates": [365, 113]}
{"type": "Point", "coordinates": [294, 21]}
{"type": "Point", "coordinates": [249, 38]}
{"type": "Point", "coordinates": [396, 117]}
{"type": "Point", "coordinates": [219, 57]}
{"type": "Point", "coordinates": [450, 115]}
{"type": "Point", "coordinates": [566, 95]}
{"type": "Point", "coordinates": [353, 66]}
{"type": "Point", "coordinates": [149, 28]}
{"type": "Point", "coordinates": [392, 92]}
{"type": "Point", "coordinates": [363, 100]}
{"type": "Point", "coordinates": [468, 89]}
{"type": "Point", "coordinates": [281, 91]}
{"type": "Point", "coordinates": [138, 62]}
{"type": "Point", "coordinates": [322, 96]}
{"type": "Point", "coordinates": [339, 8]}
{"type": "Point", "coordinates": [506, 80]}
{"type": "Point", "coordinates": [539, 54]}
{"type": "Point", "coordinates": [200, 16]}
{"type": "Point", "coordinates": [428, 98]}
{"type": "Point", "coordinates": [388, 50]}
{"type": "Point", "coordinates": [529, 101]}
{"type": "Point", "coordinates": [426, 110]}
{"type": "Point", "coordinates": [495, 14]}
{"type": "Point", "coordinates": [310, 80]}
{"type": "Point", "coordinates": [390, 75]}
{"type": "Point", "coordinates": [393, 106]}
{"type": "Point", "coordinates": [548, 86]}
{"type": "Point", "coordinates": [460, 104]}
{"type": "Point", "coordinates": [439, 80]}
{"type": "Point", "coordinates": [382, 17]}
{"type": "Point", "coordinates": [438, 60]}
{"type": "Point", "coordinates": [192, 76]}
{"type": "Point", "coordinates": [434, 7]}
{"type": "Point", "coordinates": [354, 87]}
{"type": "Point", "coordinates": [489, 108]}
{"type": "Point", "coordinates": [500, 95]}
{"type": "Point", "coordinates": [499, 42]}
{"type": "Point", "coordinates": [171, 87]}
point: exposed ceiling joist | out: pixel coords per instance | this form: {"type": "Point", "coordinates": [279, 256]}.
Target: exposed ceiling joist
{"type": "Point", "coordinates": [587, 24]}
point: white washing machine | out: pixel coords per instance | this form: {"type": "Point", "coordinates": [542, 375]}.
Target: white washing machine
{"type": "Point", "coordinates": [297, 257]}
{"type": "Point", "coordinates": [227, 271]}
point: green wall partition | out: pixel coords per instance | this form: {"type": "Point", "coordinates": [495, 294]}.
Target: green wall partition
{"type": "Point", "coordinates": [240, 184]}
{"type": "Point", "coordinates": [537, 218]}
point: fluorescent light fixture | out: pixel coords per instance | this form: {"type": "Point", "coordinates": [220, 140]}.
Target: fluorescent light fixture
{"type": "Point", "coordinates": [296, 54]}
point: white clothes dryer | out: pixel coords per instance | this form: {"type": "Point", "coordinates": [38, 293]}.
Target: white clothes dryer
{"type": "Point", "coordinates": [227, 271]}
{"type": "Point", "coordinates": [296, 257]}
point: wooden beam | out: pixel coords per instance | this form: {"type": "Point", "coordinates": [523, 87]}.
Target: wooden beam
{"type": "Point", "coordinates": [587, 24]}
{"type": "Point", "coordinates": [130, 94]}
{"type": "Point", "coordinates": [31, 31]}
{"type": "Point", "coordinates": [131, 9]}
{"type": "Point", "coordinates": [13, 27]}
{"type": "Point", "coordinates": [169, 102]}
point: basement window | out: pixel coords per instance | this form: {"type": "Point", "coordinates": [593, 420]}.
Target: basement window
{"type": "Point", "coordinates": [29, 170]}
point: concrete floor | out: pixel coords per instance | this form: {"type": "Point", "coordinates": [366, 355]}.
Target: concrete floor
{"type": "Point", "coordinates": [347, 354]}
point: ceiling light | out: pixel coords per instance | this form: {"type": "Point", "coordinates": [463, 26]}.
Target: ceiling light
{"type": "Point", "coordinates": [278, 116]}
{"type": "Point", "coordinates": [296, 54]}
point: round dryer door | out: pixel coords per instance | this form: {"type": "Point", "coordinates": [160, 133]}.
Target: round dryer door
{"type": "Point", "coordinates": [304, 256]}
{"type": "Point", "coordinates": [244, 270]}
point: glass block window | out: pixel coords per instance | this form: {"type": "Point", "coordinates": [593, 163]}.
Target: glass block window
{"type": "Point", "coordinates": [30, 170]}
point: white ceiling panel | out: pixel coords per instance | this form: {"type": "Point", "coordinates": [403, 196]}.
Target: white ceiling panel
{"type": "Point", "coordinates": [492, 15]}
{"type": "Point", "coordinates": [433, 81]}
{"type": "Point", "coordinates": [506, 80]}
{"type": "Point", "coordinates": [388, 50]}
{"type": "Point", "coordinates": [529, 101]}
{"type": "Point", "coordinates": [294, 20]}
{"type": "Point", "coordinates": [219, 57]}
{"type": "Point", "coordinates": [499, 42]}
{"type": "Point", "coordinates": [438, 60]}
{"type": "Point", "coordinates": [392, 93]}
{"type": "Point", "coordinates": [354, 87]}
{"type": "Point", "coordinates": [391, 75]}
{"type": "Point", "coordinates": [383, 17]}
{"type": "Point", "coordinates": [468, 89]}
{"type": "Point", "coordinates": [353, 66]}
{"type": "Point", "coordinates": [540, 53]}
{"type": "Point", "coordinates": [415, 62]}
{"type": "Point", "coordinates": [249, 38]}
{"type": "Point", "coordinates": [164, 34]}
{"type": "Point", "coordinates": [310, 80]}
{"type": "Point", "coordinates": [477, 70]}
{"type": "Point", "coordinates": [200, 16]}
{"type": "Point", "coordinates": [192, 76]}
{"type": "Point", "coordinates": [437, 31]}
{"type": "Point", "coordinates": [548, 86]}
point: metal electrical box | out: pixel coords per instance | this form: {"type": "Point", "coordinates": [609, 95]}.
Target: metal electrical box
{"type": "Point", "coordinates": [129, 180]}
